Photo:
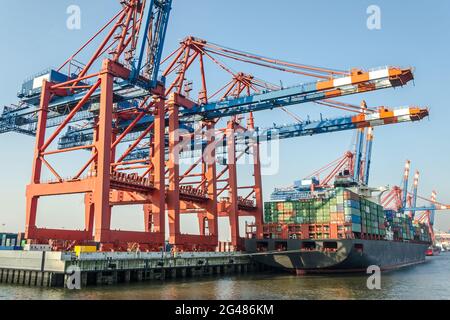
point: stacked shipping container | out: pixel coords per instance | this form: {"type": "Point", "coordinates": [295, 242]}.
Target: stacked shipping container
{"type": "Point", "coordinates": [373, 220]}
{"type": "Point", "coordinates": [11, 241]}
{"type": "Point", "coordinates": [404, 228]}
{"type": "Point", "coordinates": [339, 213]}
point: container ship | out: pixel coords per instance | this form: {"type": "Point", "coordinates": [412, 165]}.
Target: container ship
{"type": "Point", "coordinates": [342, 228]}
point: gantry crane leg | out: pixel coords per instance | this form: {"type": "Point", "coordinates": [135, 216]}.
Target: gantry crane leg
{"type": "Point", "coordinates": [259, 204]}
{"type": "Point", "coordinates": [173, 193]}
{"type": "Point", "coordinates": [156, 211]}
{"type": "Point", "coordinates": [32, 200]}
{"type": "Point", "coordinates": [210, 173]}
{"type": "Point", "coordinates": [233, 209]}
{"type": "Point", "coordinates": [103, 147]}
{"type": "Point", "coordinates": [89, 212]}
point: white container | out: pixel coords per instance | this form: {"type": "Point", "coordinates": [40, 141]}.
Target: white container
{"type": "Point", "coordinates": [37, 247]}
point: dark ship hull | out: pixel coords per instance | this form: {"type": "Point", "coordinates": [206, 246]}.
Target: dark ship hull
{"type": "Point", "coordinates": [331, 256]}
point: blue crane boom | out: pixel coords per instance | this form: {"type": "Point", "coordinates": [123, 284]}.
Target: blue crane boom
{"type": "Point", "coordinates": [23, 119]}
{"type": "Point", "coordinates": [428, 208]}
{"type": "Point", "coordinates": [309, 92]}
{"type": "Point", "coordinates": [432, 207]}
{"type": "Point", "coordinates": [307, 128]}
{"type": "Point", "coordinates": [153, 39]}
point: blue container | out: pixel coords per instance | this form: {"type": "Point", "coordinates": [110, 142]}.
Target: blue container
{"type": "Point", "coordinates": [10, 248]}
{"type": "Point", "coordinates": [352, 204]}
{"type": "Point", "coordinates": [390, 214]}
{"type": "Point", "coordinates": [356, 219]}
{"type": "Point", "coordinates": [8, 239]}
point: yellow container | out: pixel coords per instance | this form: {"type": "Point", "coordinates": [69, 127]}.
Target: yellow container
{"type": "Point", "coordinates": [84, 249]}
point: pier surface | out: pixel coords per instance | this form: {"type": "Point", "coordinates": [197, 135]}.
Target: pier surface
{"type": "Point", "coordinates": [53, 269]}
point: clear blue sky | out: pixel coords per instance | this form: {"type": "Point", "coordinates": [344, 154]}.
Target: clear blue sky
{"type": "Point", "coordinates": [323, 33]}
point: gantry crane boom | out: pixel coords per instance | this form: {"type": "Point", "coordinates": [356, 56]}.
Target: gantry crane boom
{"type": "Point", "coordinates": [378, 117]}
{"type": "Point", "coordinates": [433, 204]}
{"type": "Point", "coordinates": [142, 79]}
{"type": "Point", "coordinates": [382, 117]}
{"type": "Point", "coordinates": [310, 92]}
{"type": "Point", "coordinates": [152, 46]}
{"type": "Point", "coordinates": [325, 89]}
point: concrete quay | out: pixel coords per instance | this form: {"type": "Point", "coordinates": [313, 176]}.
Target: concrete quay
{"type": "Point", "coordinates": [58, 269]}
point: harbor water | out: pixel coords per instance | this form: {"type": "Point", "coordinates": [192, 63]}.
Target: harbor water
{"type": "Point", "coordinates": [430, 280]}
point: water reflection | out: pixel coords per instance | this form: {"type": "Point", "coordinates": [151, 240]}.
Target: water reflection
{"type": "Point", "coordinates": [427, 281]}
